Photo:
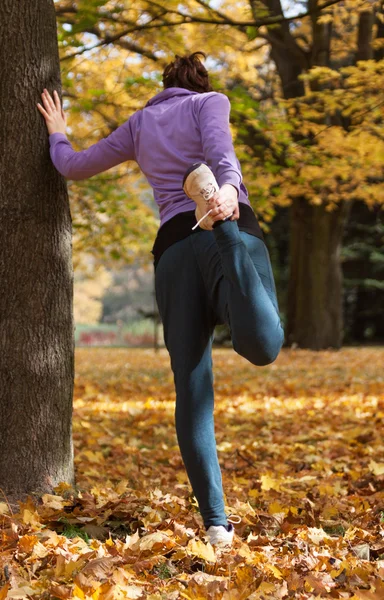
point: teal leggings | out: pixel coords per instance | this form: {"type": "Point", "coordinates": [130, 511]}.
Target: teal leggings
{"type": "Point", "coordinates": [212, 277]}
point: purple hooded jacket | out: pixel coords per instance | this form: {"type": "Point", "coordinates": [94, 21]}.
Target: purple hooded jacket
{"type": "Point", "coordinates": [175, 129]}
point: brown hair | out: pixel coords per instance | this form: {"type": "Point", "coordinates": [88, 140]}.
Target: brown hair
{"type": "Point", "coordinates": [187, 72]}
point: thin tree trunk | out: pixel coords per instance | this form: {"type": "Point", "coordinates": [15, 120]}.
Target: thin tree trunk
{"type": "Point", "coordinates": [364, 37]}
{"type": "Point", "coordinates": [379, 52]}
{"type": "Point", "coordinates": [36, 325]}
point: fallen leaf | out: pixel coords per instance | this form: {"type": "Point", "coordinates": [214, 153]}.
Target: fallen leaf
{"type": "Point", "coordinates": [200, 550]}
{"type": "Point", "coordinates": [4, 508]}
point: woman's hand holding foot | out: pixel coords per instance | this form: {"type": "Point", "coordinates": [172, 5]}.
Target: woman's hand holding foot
{"type": "Point", "coordinates": [224, 204]}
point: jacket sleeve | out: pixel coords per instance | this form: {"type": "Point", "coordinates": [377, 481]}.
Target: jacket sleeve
{"type": "Point", "coordinates": [216, 138]}
{"type": "Point", "coordinates": [108, 152]}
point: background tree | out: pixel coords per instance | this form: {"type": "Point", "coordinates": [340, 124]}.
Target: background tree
{"type": "Point", "coordinates": [36, 328]}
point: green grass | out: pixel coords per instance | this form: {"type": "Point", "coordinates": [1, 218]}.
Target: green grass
{"type": "Point", "coordinates": [71, 531]}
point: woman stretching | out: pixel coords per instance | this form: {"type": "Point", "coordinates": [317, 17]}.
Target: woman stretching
{"type": "Point", "coordinates": [218, 272]}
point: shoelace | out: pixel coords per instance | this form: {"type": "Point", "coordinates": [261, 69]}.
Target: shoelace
{"type": "Point", "coordinates": [234, 519]}
{"type": "Point", "coordinates": [202, 219]}
{"type": "Point", "coordinates": [207, 193]}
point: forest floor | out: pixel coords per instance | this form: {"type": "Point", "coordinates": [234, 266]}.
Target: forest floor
{"type": "Point", "coordinates": [301, 448]}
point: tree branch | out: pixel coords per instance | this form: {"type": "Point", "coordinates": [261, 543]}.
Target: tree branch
{"type": "Point", "coordinates": [63, 9]}
{"type": "Point", "coordinates": [224, 19]}
{"type": "Point", "coordinates": [187, 19]}
{"type": "Point", "coordinates": [273, 20]}
{"type": "Point", "coordinates": [135, 47]}
{"type": "Point", "coordinates": [109, 39]}
{"type": "Point", "coordinates": [214, 11]}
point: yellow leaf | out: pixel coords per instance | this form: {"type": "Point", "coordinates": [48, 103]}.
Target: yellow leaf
{"type": "Point", "coordinates": [132, 591]}
{"type": "Point", "coordinates": [30, 518]}
{"type": "Point", "coordinates": [329, 512]}
{"type": "Point", "coordinates": [376, 468]}
{"type": "Point", "coordinates": [201, 550]}
{"type": "Point", "coordinates": [78, 594]}
{"type": "Point", "coordinates": [51, 538]}
{"type": "Point", "coordinates": [276, 572]}
{"type": "Point", "coordinates": [55, 502]}
{"type": "Point", "coordinates": [62, 487]}
{"type": "Point", "coordinates": [276, 507]}
{"type": "Point", "coordinates": [4, 510]}
{"type": "Point", "coordinates": [254, 493]}
{"type": "Point", "coordinates": [266, 588]}
{"type": "Point", "coordinates": [39, 550]}
{"type": "Point", "coordinates": [27, 542]}
{"type": "Point", "coordinates": [121, 488]}
{"type": "Point", "coordinates": [269, 483]}
{"type": "Point", "coordinates": [21, 592]}
{"type": "Point", "coordinates": [131, 540]}
{"type": "Point", "coordinates": [179, 554]}
{"type": "Point", "coordinates": [317, 535]}
{"type": "Point", "coordinates": [73, 565]}
{"type": "Point", "coordinates": [154, 542]}
{"type": "Point", "coordinates": [181, 477]}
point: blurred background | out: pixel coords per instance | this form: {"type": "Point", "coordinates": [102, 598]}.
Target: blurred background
{"type": "Point", "coordinates": [305, 82]}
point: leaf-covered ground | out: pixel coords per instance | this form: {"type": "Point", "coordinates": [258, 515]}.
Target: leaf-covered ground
{"type": "Point", "coordinates": [301, 448]}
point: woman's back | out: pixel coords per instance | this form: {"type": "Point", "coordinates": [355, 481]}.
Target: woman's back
{"type": "Point", "coordinates": [179, 127]}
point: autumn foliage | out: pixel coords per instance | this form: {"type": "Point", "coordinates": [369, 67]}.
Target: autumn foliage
{"type": "Point", "coordinates": [300, 444]}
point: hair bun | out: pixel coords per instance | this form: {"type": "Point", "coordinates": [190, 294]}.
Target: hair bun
{"type": "Point", "coordinates": [187, 72]}
{"type": "Point", "coordinates": [194, 57]}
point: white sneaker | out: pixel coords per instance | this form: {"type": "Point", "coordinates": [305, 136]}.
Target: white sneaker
{"type": "Point", "coordinates": [200, 184]}
{"type": "Point", "coordinates": [220, 536]}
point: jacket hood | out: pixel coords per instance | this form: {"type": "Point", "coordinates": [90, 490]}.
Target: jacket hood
{"type": "Point", "coordinates": [169, 93]}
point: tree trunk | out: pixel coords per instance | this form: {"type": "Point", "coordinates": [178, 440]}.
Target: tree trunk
{"type": "Point", "coordinates": [314, 304]}
{"type": "Point", "coordinates": [36, 324]}
{"type": "Point", "coordinates": [289, 58]}
{"type": "Point", "coordinates": [364, 37]}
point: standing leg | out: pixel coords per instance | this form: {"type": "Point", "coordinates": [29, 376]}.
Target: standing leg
{"type": "Point", "coordinates": [237, 271]}
{"type": "Point", "coordinates": [188, 322]}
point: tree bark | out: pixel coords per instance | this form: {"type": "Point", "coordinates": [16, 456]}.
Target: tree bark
{"type": "Point", "coordinates": [289, 58]}
{"type": "Point", "coordinates": [364, 36]}
{"type": "Point", "coordinates": [379, 13]}
{"type": "Point", "coordinates": [36, 324]}
{"type": "Point", "coordinates": [315, 284]}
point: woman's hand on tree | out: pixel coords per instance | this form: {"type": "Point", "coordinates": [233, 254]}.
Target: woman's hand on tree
{"type": "Point", "coordinates": [53, 113]}
{"type": "Point", "coordinates": [224, 203]}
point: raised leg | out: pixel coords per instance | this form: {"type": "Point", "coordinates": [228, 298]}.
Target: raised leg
{"type": "Point", "coordinates": [237, 272]}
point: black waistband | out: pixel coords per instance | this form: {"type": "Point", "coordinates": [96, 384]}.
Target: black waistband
{"type": "Point", "coordinates": [180, 227]}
